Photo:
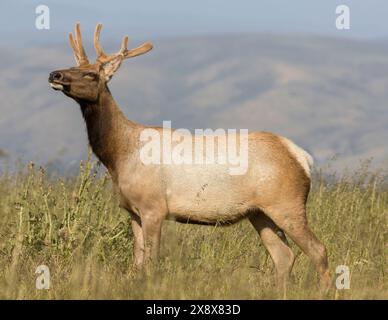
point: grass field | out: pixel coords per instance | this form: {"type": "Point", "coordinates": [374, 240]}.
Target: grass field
{"type": "Point", "coordinates": [75, 227]}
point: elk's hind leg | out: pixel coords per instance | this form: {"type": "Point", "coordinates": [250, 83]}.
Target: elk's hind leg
{"type": "Point", "coordinates": [292, 219]}
{"type": "Point", "coordinates": [276, 244]}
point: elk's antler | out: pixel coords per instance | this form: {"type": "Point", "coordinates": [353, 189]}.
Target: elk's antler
{"type": "Point", "coordinates": [110, 63]}
{"type": "Point", "coordinates": [124, 53]}
{"type": "Point", "coordinates": [76, 44]}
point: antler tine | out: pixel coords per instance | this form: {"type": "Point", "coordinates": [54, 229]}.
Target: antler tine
{"type": "Point", "coordinates": [124, 52]}
{"type": "Point", "coordinates": [76, 44]}
{"type": "Point", "coordinates": [73, 45]}
{"type": "Point", "coordinates": [124, 46]}
{"type": "Point", "coordinates": [101, 56]}
{"type": "Point", "coordinates": [79, 41]}
{"type": "Point", "coordinates": [144, 48]}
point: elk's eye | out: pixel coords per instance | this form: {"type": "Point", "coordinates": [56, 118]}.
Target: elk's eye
{"type": "Point", "coordinates": [90, 76]}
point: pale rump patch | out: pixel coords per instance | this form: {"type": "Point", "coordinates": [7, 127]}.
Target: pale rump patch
{"type": "Point", "coordinates": [302, 156]}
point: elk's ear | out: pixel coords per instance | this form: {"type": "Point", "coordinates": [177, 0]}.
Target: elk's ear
{"type": "Point", "coordinates": [111, 67]}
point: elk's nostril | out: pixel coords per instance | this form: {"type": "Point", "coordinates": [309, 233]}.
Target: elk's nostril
{"type": "Point", "coordinates": [55, 76]}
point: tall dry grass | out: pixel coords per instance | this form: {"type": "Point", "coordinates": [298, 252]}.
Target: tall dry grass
{"type": "Point", "coordinates": [74, 226]}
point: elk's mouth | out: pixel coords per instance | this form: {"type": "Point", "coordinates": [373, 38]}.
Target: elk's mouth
{"type": "Point", "coordinates": [56, 86]}
{"type": "Point", "coordinates": [59, 85]}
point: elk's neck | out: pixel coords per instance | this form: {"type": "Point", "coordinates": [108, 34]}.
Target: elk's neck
{"type": "Point", "coordinates": [107, 128]}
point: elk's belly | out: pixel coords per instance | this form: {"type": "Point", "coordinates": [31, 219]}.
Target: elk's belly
{"type": "Point", "coordinates": [208, 218]}
{"type": "Point", "coordinates": [203, 198]}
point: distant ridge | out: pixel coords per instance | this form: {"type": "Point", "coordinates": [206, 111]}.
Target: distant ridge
{"type": "Point", "coordinates": [328, 95]}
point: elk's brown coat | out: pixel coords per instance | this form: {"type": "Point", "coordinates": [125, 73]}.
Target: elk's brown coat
{"type": "Point", "coordinates": [272, 194]}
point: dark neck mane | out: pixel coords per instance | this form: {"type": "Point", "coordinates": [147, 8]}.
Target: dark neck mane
{"type": "Point", "coordinates": [107, 128]}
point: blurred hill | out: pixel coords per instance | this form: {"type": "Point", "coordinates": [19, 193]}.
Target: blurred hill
{"type": "Point", "coordinates": [328, 95]}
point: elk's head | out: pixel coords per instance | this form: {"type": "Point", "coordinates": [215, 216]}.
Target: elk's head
{"type": "Point", "coordinates": [84, 82]}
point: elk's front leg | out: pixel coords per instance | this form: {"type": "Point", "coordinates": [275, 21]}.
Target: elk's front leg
{"type": "Point", "coordinates": [138, 247]}
{"type": "Point", "coordinates": [151, 225]}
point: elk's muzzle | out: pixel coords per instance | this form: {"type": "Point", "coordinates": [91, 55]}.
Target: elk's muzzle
{"type": "Point", "coordinates": [53, 78]}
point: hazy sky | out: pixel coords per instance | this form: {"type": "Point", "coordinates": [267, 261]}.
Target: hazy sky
{"type": "Point", "coordinates": [151, 18]}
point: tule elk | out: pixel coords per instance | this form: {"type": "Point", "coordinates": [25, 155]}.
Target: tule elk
{"type": "Point", "coordinates": [272, 193]}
